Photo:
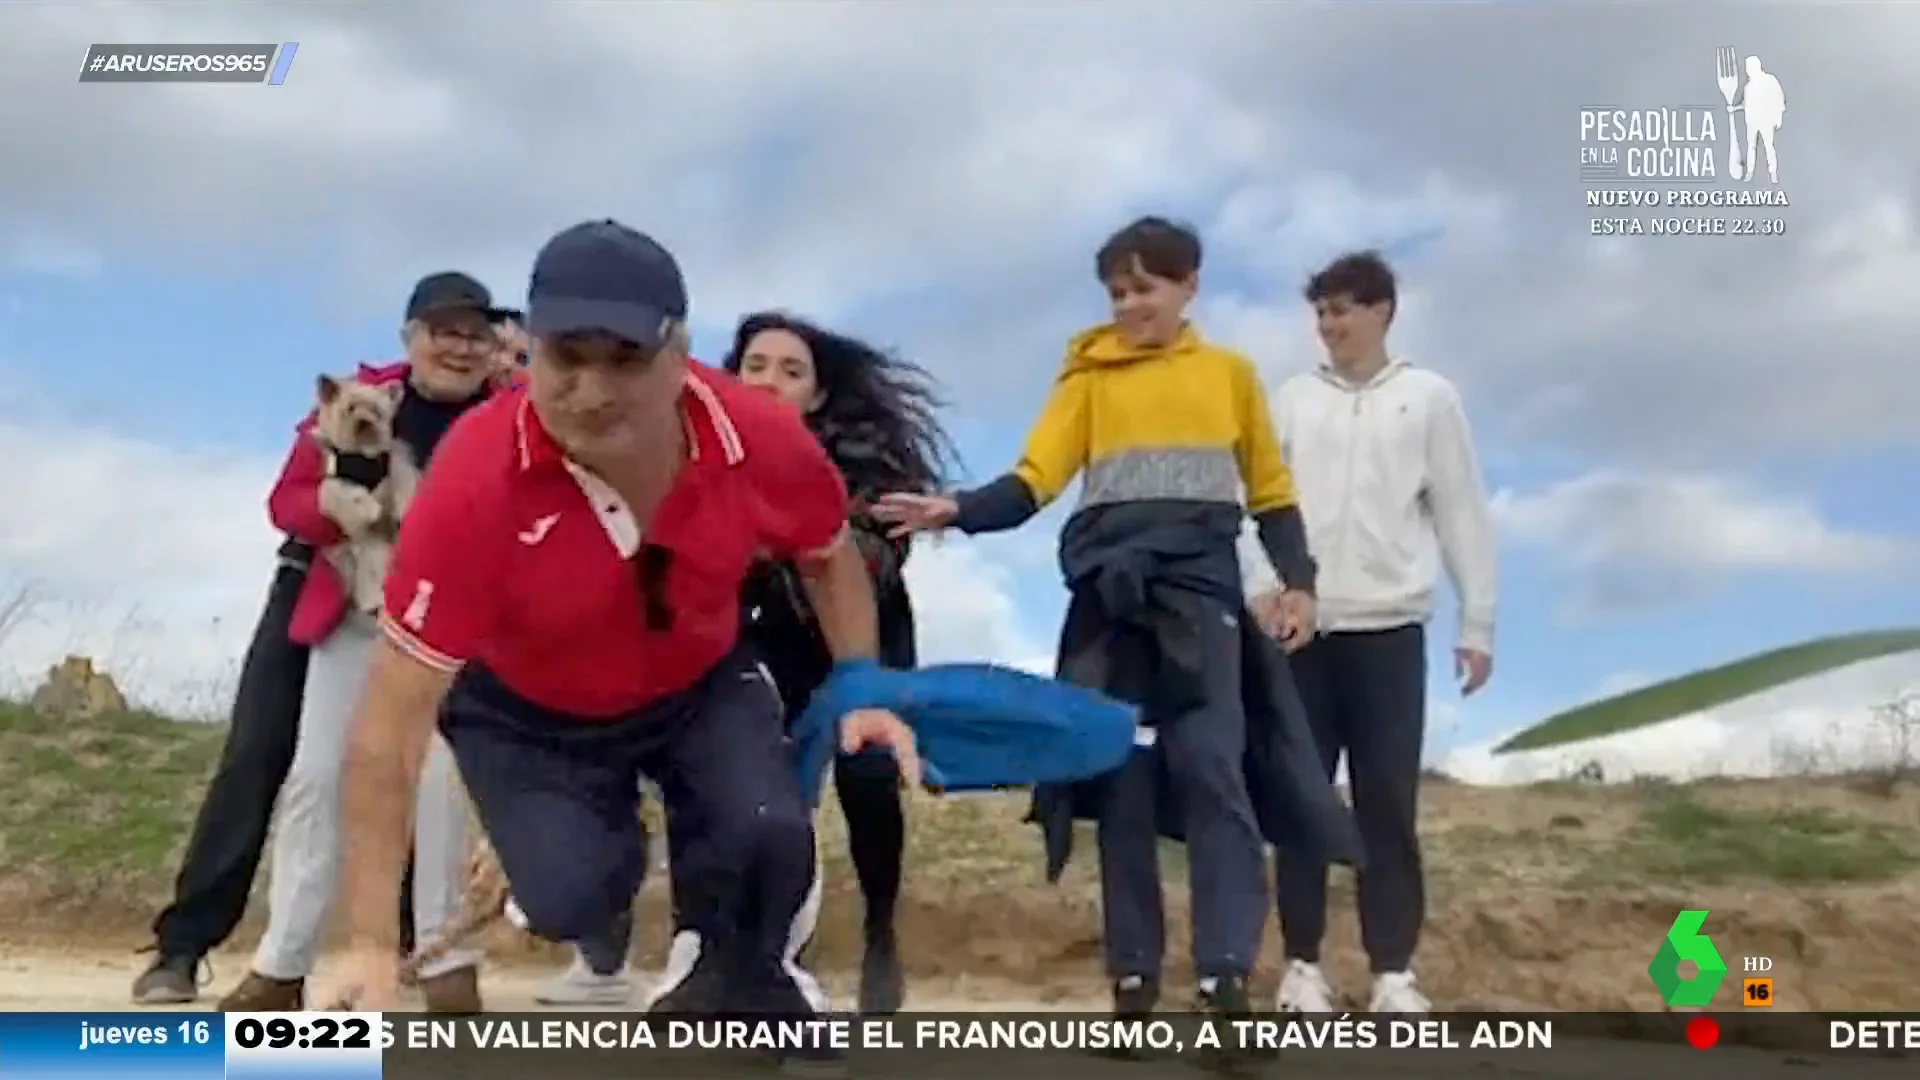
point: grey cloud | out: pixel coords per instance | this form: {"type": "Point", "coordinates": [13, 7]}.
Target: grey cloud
{"type": "Point", "coordinates": [1703, 350]}
{"type": "Point", "coordinates": [1637, 541]}
{"type": "Point", "coordinates": [816, 154]}
{"type": "Point", "coordinates": [939, 172]}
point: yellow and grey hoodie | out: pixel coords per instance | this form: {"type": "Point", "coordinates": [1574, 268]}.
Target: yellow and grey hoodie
{"type": "Point", "coordinates": [1169, 439]}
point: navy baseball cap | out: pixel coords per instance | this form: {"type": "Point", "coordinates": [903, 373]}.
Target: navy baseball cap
{"type": "Point", "coordinates": [604, 276]}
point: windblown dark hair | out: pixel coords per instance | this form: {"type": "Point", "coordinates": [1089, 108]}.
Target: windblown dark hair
{"type": "Point", "coordinates": [879, 421]}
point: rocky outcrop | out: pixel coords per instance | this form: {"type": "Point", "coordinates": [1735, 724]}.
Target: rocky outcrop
{"type": "Point", "coordinates": [74, 689]}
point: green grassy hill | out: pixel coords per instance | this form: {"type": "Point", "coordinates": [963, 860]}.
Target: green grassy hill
{"type": "Point", "coordinates": [100, 806]}
{"type": "Point", "coordinates": [1547, 896]}
{"type": "Point", "coordinates": [1710, 688]}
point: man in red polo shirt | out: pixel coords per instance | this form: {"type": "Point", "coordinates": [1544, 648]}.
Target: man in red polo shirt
{"type": "Point", "coordinates": [563, 596]}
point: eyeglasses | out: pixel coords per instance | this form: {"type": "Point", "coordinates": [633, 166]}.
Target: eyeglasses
{"type": "Point", "coordinates": [464, 338]}
{"type": "Point", "coordinates": [650, 566]}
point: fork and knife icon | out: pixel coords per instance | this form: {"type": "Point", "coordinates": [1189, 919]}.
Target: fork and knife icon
{"type": "Point", "coordinates": [1727, 70]}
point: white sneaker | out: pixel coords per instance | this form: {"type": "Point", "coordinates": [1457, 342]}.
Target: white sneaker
{"type": "Point", "coordinates": [1304, 989]}
{"type": "Point", "coordinates": [1395, 992]}
{"type": "Point", "coordinates": [580, 985]}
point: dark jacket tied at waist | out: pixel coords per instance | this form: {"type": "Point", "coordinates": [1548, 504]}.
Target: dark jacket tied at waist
{"type": "Point", "coordinates": [1139, 589]}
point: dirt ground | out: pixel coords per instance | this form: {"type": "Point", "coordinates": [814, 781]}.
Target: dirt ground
{"type": "Point", "coordinates": [80, 979]}
{"type": "Point", "coordinates": [1551, 897]}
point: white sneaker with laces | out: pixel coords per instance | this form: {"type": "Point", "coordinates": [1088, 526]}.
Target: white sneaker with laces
{"type": "Point", "coordinates": [1304, 989]}
{"type": "Point", "coordinates": [580, 985]}
{"type": "Point", "coordinates": [1395, 992]}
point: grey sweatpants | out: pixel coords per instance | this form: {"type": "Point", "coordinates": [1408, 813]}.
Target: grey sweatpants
{"type": "Point", "coordinates": [307, 839]}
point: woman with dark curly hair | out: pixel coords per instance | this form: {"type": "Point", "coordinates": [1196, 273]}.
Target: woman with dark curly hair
{"type": "Point", "coordinates": [876, 416]}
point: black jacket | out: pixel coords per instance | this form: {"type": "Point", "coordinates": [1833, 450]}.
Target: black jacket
{"type": "Point", "coordinates": [1128, 632]}
{"type": "Point", "coordinates": [779, 624]}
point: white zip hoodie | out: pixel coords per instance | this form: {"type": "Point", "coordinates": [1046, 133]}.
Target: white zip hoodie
{"type": "Point", "coordinates": [1387, 481]}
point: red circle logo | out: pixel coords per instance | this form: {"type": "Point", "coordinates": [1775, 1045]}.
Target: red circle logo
{"type": "Point", "coordinates": [1702, 1032]}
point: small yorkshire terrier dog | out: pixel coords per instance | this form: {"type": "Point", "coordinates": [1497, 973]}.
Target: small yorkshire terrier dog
{"type": "Point", "coordinates": [370, 478]}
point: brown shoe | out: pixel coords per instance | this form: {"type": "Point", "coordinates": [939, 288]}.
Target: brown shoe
{"type": "Point", "coordinates": [456, 991]}
{"type": "Point", "coordinates": [257, 993]}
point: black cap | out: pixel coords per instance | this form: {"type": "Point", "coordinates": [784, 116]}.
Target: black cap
{"type": "Point", "coordinates": [449, 293]}
{"type": "Point", "coordinates": [604, 276]}
{"type": "Point", "coordinates": [501, 315]}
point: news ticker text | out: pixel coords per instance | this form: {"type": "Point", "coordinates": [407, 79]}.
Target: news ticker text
{"type": "Point", "coordinates": [1177, 1033]}
{"type": "Point", "coordinates": [371, 1046]}
{"type": "Point", "coordinates": [199, 63]}
{"type": "Point", "coordinates": [971, 1033]}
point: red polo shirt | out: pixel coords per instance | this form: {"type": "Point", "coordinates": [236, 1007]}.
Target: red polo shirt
{"type": "Point", "coordinates": [512, 556]}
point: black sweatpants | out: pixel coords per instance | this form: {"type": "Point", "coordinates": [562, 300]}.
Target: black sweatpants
{"type": "Point", "coordinates": [1200, 754]}
{"type": "Point", "coordinates": [787, 643]}
{"type": "Point", "coordinates": [867, 786]}
{"type": "Point", "coordinates": [230, 831]}
{"type": "Point", "coordinates": [559, 799]}
{"type": "Point", "coordinates": [1366, 696]}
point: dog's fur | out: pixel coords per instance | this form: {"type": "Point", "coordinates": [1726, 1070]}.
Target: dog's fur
{"type": "Point", "coordinates": [356, 419]}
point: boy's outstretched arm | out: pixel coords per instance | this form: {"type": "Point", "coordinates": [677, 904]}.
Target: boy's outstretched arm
{"type": "Point", "coordinates": [1055, 452]}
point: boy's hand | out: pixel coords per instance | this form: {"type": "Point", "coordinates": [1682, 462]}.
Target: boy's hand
{"type": "Point", "coordinates": [910, 513]}
{"type": "Point", "coordinates": [1473, 668]}
{"type": "Point", "coordinates": [1287, 616]}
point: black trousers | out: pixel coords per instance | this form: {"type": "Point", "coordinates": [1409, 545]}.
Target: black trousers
{"type": "Point", "coordinates": [867, 786]}
{"type": "Point", "coordinates": [790, 648]}
{"type": "Point", "coordinates": [1366, 696]}
{"type": "Point", "coordinates": [560, 798]}
{"type": "Point", "coordinates": [216, 874]}
{"type": "Point", "coordinates": [230, 832]}
{"type": "Point", "coordinates": [1198, 759]}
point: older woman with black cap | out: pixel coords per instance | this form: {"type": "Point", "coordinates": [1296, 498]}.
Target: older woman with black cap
{"type": "Point", "coordinates": [452, 353]}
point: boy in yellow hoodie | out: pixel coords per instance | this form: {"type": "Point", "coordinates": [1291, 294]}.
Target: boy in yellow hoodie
{"type": "Point", "coordinates": [1169, 430]}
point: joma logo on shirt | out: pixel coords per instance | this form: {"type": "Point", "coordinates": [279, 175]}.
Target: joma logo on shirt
{"type": "Point", "coordinates": [415, 617]}
{"type": "Point", "coordinates": [538, 530]}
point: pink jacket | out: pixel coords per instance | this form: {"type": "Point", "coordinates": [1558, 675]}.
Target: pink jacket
{"type": "Point", "coordinates": [294, 507]}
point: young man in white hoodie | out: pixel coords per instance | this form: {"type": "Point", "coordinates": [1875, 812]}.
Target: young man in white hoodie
{"type": "Point", "coordinates": [1390, 490]}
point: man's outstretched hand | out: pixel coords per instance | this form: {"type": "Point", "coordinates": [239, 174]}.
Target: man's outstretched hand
{"type": "Point", "coordinates": [873, 729]}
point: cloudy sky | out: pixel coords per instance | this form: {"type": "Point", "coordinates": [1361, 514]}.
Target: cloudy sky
{"type": "Point", "coordinates": [1698, 443]}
